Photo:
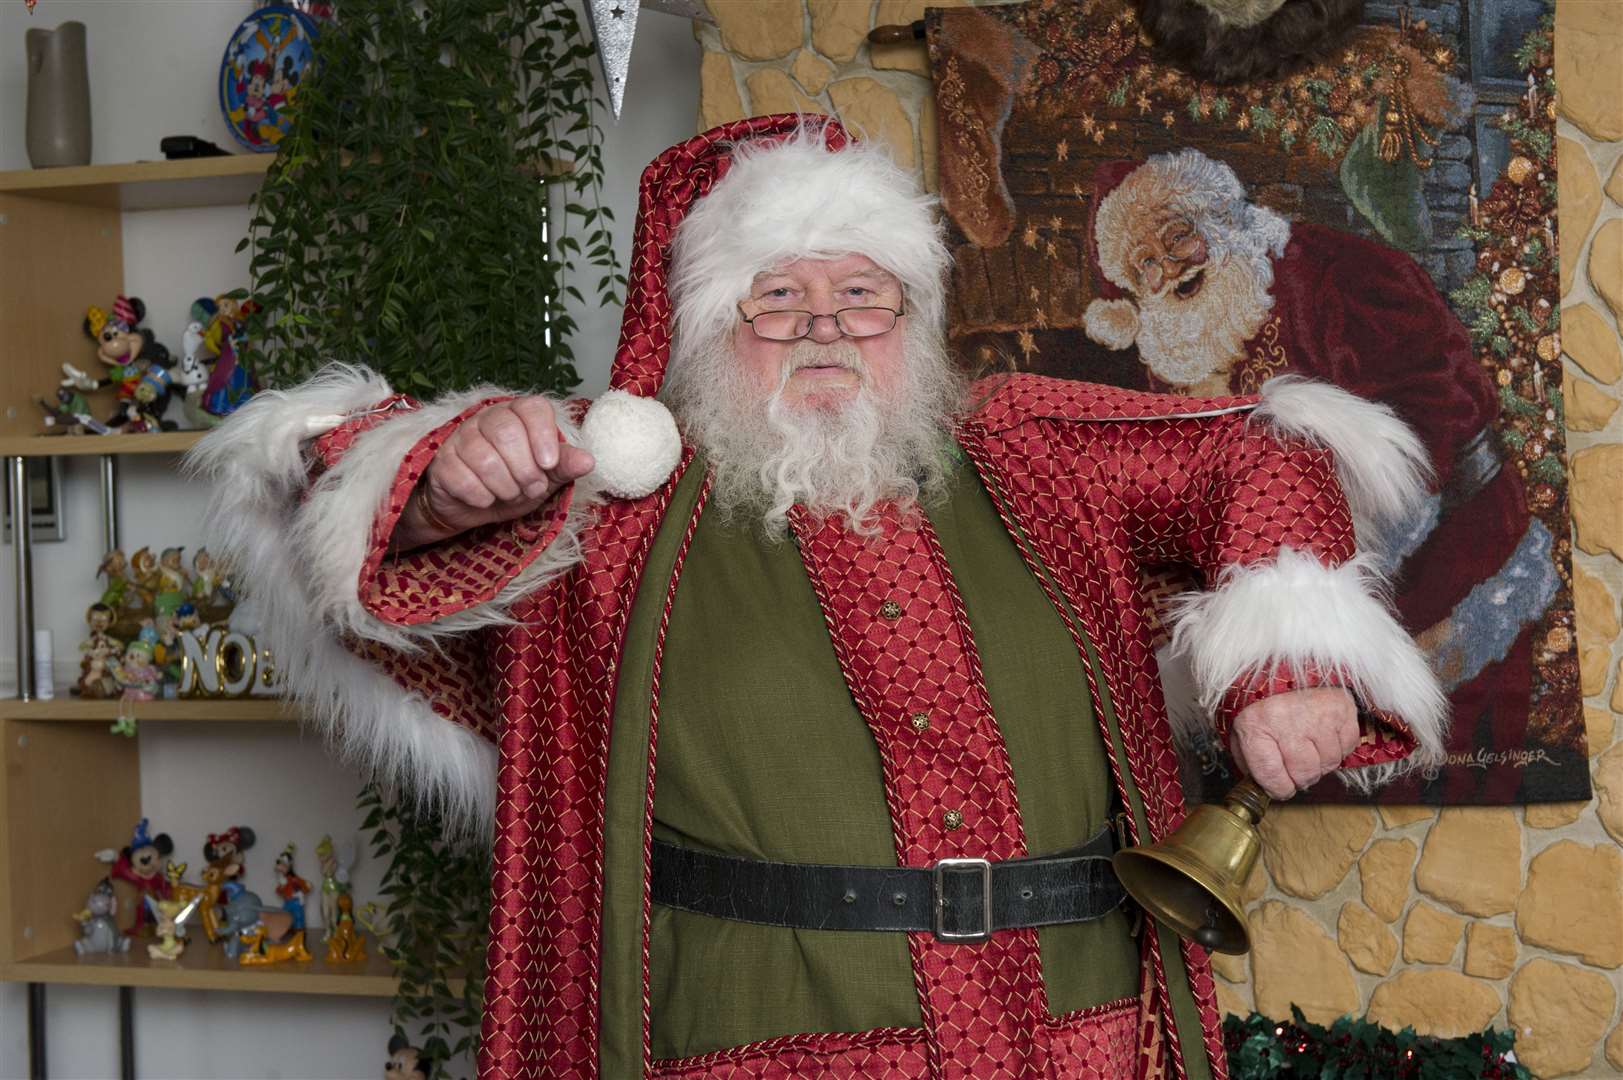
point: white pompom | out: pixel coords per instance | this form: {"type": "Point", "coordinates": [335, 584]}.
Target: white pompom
{"type": "Point", "coordinates": [635, 442]}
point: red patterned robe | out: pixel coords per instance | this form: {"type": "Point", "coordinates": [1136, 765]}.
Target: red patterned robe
{"type": "Point", "coordinates": [513, 637]}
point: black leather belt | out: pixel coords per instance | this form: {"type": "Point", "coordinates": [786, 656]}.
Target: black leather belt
{"type": "Point", "coordinates": [956, 899]}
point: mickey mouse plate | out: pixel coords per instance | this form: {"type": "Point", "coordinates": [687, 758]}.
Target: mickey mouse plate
{"type": "Point", "coordinates": [260, 75]}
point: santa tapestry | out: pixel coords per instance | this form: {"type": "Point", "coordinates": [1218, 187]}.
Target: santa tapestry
{"type": "Point", "coordinates": [1384, 220]}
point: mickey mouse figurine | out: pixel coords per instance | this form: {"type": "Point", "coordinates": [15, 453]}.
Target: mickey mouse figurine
{"type": "Point", "coordinates": [141, 864]}
{"type": "Point", "coordinates": [136, 364]}
{"type": "Point", "coordinates": [406, 1062]}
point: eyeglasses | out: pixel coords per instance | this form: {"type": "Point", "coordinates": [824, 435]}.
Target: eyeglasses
{"type": "Point", "coordinates": [854, 322]}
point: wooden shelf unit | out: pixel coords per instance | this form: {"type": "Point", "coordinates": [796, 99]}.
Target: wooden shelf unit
{"type": "Point", "coordinates": [63, 238]}
{"type": "Point", "coordinates": [205, 967]}
{"type": "Point", "coordinates": [192, 710]}
{"type": "Point", "coordinates": [67, 783]}
{"type": "Point", "coordinates": [153, 442]}
{"type": "Point", "coordinates": [145, 185]}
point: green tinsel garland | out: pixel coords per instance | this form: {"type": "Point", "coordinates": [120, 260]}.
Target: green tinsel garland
{"type": "Point", "coordinates": [1263, 1049]}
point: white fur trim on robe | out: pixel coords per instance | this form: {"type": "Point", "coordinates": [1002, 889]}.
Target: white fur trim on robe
{"type": "Point", "coordinates": [299, 549]}
{"type": "Point", "coordinates": [1381, 463]}
{"type": "Point", "coordinates": [1294, 614]}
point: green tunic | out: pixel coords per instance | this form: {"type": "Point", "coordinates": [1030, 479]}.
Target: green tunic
{"type": "Point", "coordinates": [762, 752]}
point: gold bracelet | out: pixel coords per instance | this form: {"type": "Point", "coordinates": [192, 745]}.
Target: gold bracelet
{"type": "Point", "coordinates": [425, 506]}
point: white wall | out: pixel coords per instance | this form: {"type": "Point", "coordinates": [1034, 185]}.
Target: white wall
{"type": "Point", "coordinates": [153, 64]}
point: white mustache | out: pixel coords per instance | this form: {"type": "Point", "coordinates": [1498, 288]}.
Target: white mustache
{"type": "Point", "coordinates": [804, 355]}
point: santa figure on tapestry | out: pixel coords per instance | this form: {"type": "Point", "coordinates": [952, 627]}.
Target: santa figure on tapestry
{"type": "Point", "coordinates": [1218, 294]}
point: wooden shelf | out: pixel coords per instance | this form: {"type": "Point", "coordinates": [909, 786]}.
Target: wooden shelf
{"type": "Point", "coordinates": [145, 185]}
{"type": "Point", "coordinates": [205, 967]}
{"type": "Point", "coordinates": [152, 442]}
{"type": "Point", "coordinates": [210, 710]}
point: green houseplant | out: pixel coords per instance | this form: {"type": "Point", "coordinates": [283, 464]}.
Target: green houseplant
{"type": "Point", "coordinates": [427, 217]}
{"type": "Point", "coordinates": [428, 212]}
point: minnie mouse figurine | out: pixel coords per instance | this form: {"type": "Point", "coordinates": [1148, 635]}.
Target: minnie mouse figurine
{"type": "Point", "coordinates": [136, 364]}
{"type": "Point", "coordinates": [224, 850]}
{"type": "Point", "coordinates": [141, 864]}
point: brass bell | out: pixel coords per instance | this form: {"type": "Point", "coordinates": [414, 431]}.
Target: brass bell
{"type": "Point", "coordinates": [1191, 880]}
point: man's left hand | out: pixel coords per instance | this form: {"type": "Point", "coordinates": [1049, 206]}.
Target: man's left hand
{"type": "Point", "coordinates": [1288, 741]}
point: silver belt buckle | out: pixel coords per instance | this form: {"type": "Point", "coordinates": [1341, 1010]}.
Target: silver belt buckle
{"type": "Point", "coordinates": [985, 868]}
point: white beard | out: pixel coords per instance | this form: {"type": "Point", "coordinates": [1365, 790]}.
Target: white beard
{"type": "Point", "coordinates": [1186, 341]}
{"type": "Point", "coordinates": [769, 455]}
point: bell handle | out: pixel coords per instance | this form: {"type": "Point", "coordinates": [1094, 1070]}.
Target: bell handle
{"type": "Point", "coordinates": [1248, 800]}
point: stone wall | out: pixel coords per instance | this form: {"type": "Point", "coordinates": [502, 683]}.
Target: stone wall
{"type": "Point", "coordinates": [1445, 921]}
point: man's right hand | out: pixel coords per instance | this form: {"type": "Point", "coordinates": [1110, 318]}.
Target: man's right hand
{"type": "Point", "coordinates": [502, 463]}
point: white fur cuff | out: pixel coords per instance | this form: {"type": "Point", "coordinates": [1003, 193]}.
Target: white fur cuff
{"type": "Point", "coordinates": [1296, 614]}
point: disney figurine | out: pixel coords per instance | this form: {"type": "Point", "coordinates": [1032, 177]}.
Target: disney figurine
{"type": "Point", "coordinates": [212, 588]}
{"type": "Point", "coordinates": [334, 877]}
{"type": "Point", "coordinates": [135, 364]}
{"type": "Point", "coordinates": [188, 621]}
{"type": "Point", "coordinates": [139, 679]}
{"type": "Point", "coordinates": [238, 916]}
{"type": "Point", "coordinates": [225, 850]}
{"type": "Point", "coordinates": [119, 595]}
{"type": "Point", "coordinates": [257, 951]}
{"type": "Point", "coordinates": [98, 932]}
{"type": "Point", "coordinates": [97, 654]}
{"type": "Point", "coordinates": [139, 863]}
{"type": "Point", "coordinates": [172, 576]}
{"type": "Point", "coordinates": [167, 651]}
{"type": "Point", "coordinates": [344, 942]}
{"type": "Point", "coordinates": [209, 905]}
{"type": "Point", "coordinates": [224, 333]}
{"type": "Point", "coordinates": [291, 887]}
{"type": "Point", "coordinates": [144, 575]}
{"type": "Point", "coordinates": [406, 1062]}
{"type": "Point", "coordinates": [69, 414]}
{"type": "Point", "coordinates": [171, 916]}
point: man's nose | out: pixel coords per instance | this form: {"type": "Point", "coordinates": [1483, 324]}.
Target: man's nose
{"type": "Point", "coordinates": [825, 330]}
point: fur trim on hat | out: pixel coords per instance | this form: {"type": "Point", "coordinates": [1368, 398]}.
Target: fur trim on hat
{"type": "Point", "coordinates": [1112, 323]}
{"type": "Point", "coordinates": [797, 199]}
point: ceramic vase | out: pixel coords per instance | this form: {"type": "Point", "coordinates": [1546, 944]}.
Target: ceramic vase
{"type": "Point", "coordinates": [58, 96]}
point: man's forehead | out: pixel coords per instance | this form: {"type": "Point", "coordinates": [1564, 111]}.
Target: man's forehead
{"type": "Point", "coordinates": [858, 267]}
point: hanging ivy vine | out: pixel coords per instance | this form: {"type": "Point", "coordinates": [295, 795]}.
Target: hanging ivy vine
{"type": "Point", "coordinates": [431, 213]}
{"type": "Point", "coordinates": [434, 926]}
{"type": "Point", "coordinates": [436, 200]}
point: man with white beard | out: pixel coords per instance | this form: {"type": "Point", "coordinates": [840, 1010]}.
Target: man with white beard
{"type": "Point", "coordinates": [1219, 295]}
{"type": "Point", "coordinates": [777, 702]}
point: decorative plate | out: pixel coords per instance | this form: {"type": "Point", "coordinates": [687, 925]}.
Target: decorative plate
{"type": "Point", "coordinates": [260, 75]}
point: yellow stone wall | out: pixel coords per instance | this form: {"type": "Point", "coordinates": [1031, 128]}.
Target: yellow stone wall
{"type": "Point", "coordinates": [1445, 921]}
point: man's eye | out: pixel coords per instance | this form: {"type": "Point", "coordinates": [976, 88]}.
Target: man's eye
{"type": "Point", "coordinates": [858, 291]}
{"type": "Point", "coordinates": [776, 294]}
